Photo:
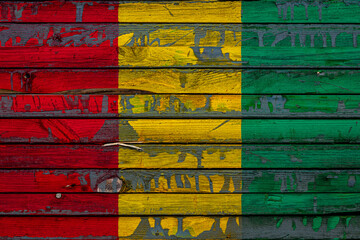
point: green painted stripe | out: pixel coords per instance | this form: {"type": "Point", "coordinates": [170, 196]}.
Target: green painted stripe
{"type": "Point", "coordinates": [295, 156]}
{"type": "Point", "coordinates": [277, 81]}
{"type": "Point", "coordinates": [300, 131]}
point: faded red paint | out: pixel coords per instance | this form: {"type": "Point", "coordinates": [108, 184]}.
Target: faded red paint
{"type": "Point", "coordinates": [60, 105]}
{"type": "Point", "coordinates": [59, 11]}
{"type": "Point", "coordinates": [44, 181]}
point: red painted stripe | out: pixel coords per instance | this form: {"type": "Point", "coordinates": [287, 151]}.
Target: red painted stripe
{"type": "Point", "coordinates": [52, 81]}
{"type": "Point", "coordinates": [48, 156]}
{"type": "Point", "coordinates": [59, 11]}
{"type": "Point", "coordinates": [58, 105]}
{"type": "Point", "coordinates": [70, 57]}
{"type": "Point", "coordinates": [59, 130]}
{"type": "Point", "coordinates": [67, 204]}
{"type": "Point", "coordinates": [59, 227]}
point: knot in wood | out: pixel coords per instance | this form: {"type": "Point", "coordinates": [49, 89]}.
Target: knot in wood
{"type": "Point", "coordinates": [111, 185]}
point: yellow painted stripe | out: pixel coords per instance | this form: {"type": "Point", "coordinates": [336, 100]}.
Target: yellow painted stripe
{"type": "Point", "coordinates": [179, 53]}
{"type": "Point", "coordinates": [181, 130]}
{"type": "Point", "coordinates": [180, 156]}
{"type": "Point", "coordinates": [181, 11]}
{"type": "Point", "coordinates": [199, 81]}
{"type": "Point", "coordinates": [179, 204]}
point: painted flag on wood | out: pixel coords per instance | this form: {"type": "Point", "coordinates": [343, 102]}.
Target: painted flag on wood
{"type": "Point", "coordinates": [225, 119]}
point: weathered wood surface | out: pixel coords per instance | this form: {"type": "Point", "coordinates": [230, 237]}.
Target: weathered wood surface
{"type": "Point", "coordinates": [180, 106]}
{"type": "Point", "coordinates": [183, 45]}
{"type": "Point", "coordinates": [179, 181]}
{"type": "Point", "coordinates": [181, 156]}
{"type": "Point", "coordinates": [179, 131]}
{"type": "Point", "coordinates": [325, 11]}
{"type": "Point", "coordinates": [23, 204]}
{"type": "Point", "coordinates": [204, 227]}
{"type": "Point", "coordinates": [108, 71]}
{"type": "Point", "coordinates": [201, 81]}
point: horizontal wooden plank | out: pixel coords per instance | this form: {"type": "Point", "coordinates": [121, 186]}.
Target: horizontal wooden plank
{"type": "Point", "coordinates": [119, 11]}
{"type": "Point", "coordinates": [203, 81]}
{"type": "Point", "coordinates": [180, 106]}
{"type": "Point", "coordinates": [324, 11]}
{"type": "Point", "coordinates": [178, 204]}
{"type": "Point", "coordinates": [178, 181]}
{"type": "Point", "coordinates": [201, 227]}
{"type": "Point", "coordinates": [55, 11]}
{"type": "Point", "coordinates": [183, 45]}
{"type": "Point", "coordinates": [179, 131]}
{"type": "Point", "coordinates": [181, 156]}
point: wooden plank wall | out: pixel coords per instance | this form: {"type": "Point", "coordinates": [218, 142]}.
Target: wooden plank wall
{"type": "Point", "coordinates": [237, 119]}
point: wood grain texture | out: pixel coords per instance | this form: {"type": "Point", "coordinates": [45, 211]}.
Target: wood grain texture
{"type": "Point", "coordinates": [180, 106]}
{"type": "Point", "coordinates": [123, 204]}
{"type": "Point", "coordinates": [179, 181]}
{"type": "Point", "coordinates": [179, 131]}
{"type": "Point", "coordinates": [278, 11]}
{"type": "Point", "coordinates": [272, 154]}
{"type": "Point", "coordinates": [204, 227]}
{"type": "Point", "coordinates": [202, 81]}
{"type": "Point", "coordinates": [181, 156]}
{"type": "Point", "coordinates": [178, 204]}
{"type": "Point", "coordinates": [307, 227]}
{"type": "Point", "coordinates": [182, 45]}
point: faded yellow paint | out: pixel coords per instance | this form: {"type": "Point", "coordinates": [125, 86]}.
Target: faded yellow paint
{"type": "Point", "coordinates": [156, 56]}
{"type": "Point", "coordinates": [175, 56]}
{"type": "Point", "coordinates": [184, 130]}
{"type": "Point", "coordinates": [195, 225]}
{"type": "Point", "coordinates": [174, 46]}
{"type": "Point", "coordinates": [181, 81]}
{"type": "Point", "coordinates": [181, 11]}
{"type": "Point", "coordinates": [187, 104]}
{"type": "Point", "coordinates": [160, 158]}
{"type": "Point", "coordinates": [204, 186]}
{"type": "Point", "coordinates": [179, 204]}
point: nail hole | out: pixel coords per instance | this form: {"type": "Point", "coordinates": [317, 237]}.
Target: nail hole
{"type": "Point", "coordinates": [58, 195]}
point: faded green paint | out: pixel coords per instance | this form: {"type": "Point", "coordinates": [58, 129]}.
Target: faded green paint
{"type": "Point", "coordinates": [305, 221]}
{"type": "Point", "coordinates": [303, 11]}
{"type": "Point", "coordinates": [308, 106]}
{"type": "Point", "coordinates": [279, 222]}
{"type": "Point", "coordinates": [332, 222]}
{"type": "Point", "coordinates": [303, 204]}
{"type": "Point", "coordinates": [317, 223]}
{"type": "Point", "coordinates": [281, 45]}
